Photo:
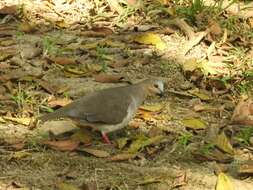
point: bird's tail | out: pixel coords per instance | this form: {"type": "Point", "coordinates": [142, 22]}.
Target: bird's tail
{"type": "Point", "coordinates": [54, 115]}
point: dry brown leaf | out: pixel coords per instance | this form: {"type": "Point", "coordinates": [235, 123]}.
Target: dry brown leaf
{"type": "Point", "coordinates": [95, 152]}
{"type": "Point", "coordinates": [105, 78]}
{"type": "Point", "coordinates": [120, 63]}
{"type": "Point", "coordinates": [214, 27]}
{"type": "Point", "coordinates": [18, 146]}
{"type": "Point", "coordinates": [122, 157]}
{"type": "Point", "coordinates": [103, 30]}
{"type": "Point", "coordinates": [246, 168]}
{"type": "Point", "coordinates": [90, 185]}
{"type": "Point", "coordinates": [62, 60]}
{"type": "Point", "coordinates": [59, 102]}
{"type": "Point", "coordinates": [63, 145]}
{"type": "Point", "coordinates": [243, 113]}
{"type": "Point", "coordinates": [9, 10]}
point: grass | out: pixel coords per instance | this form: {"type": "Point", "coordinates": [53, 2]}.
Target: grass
{"type": "Point", "coordinates": [21, 97]}
{"type": "Point", "coordinates": [101, 57]}
{"type": "Point", "coordinates": [184, 139]}
{"type": "Point", "coordinates": [49, 45]}
{"type": "Point", "coordinates": [207, 148]}
{"type": "Point", "coordinates": [245, 134]}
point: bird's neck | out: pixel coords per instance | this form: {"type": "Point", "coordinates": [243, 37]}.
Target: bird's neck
{"type": "Point", "coordinates": [141, 93]}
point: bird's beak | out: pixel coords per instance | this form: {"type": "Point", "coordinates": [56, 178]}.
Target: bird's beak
{"type": "Point", "coordinates": [160, 94]}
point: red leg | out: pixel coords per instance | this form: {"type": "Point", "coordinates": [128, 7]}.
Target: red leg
{"type": "Point", "coordinates": [105, 137]}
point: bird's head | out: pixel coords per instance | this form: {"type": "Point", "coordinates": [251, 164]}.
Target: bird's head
{"type": "Point", "coordinates": [154, 87]}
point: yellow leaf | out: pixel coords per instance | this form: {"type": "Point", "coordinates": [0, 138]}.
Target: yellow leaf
{"type": "Point", "coordinates": [19, 155]}
{"type": "Point", "coordinates": [66, 186]}
{"type": "Point", "coordinates": [190, 65]}
{"type": "Point", "coordinates": [223, 143]}
{"type": "Point", "coordinates": [152, 107]}
{"type": "Point", "coordinates": [121, 142]}
{"type": "Point", "coordinates": [24, 121]}
{"type": "Point", "coordinates": [151, 38]}
{"type": "Point", "coordinates": [142, 142]}
{"type": "Point", "coordinates": [223, 183]}
{"type": "Point", "coordinates": [194, 123]}
{"type": "Point", "coordinates": [202, 95]}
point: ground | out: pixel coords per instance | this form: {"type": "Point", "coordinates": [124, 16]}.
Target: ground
{"type": "Point", "coordinates": [183, 140]}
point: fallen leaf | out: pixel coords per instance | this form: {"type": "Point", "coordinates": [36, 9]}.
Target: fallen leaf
{"type": "Point", "coordinates": [19, 155]}
{"type": "Point", "coordinates": [95, 152]}
{"type": "Point", "coordinates": [153, 107]}
{"type": "Point", "coordinates": [200, 94]}
{"type": "Point", "coordinates": [90, 185]}
{"type": "Point", "coordinates": [223, 143]}
{"type": "Point", "coordinates": [26, 27]}
{"type": "Point", "coordinates": [59, 102]}
{"type": "Point", "coordinates": [9, 10]}
{"type": "Point", "coordinates": [194, 123]}
{"type": "Point", "coordinates": [18, 146]}
{"type": "Point", "coordinates": [214, 68]}
{"type": "Point", "coordinates": [151, 38]}
{"type": "Point", "coordinates": [223, 183]}
{"type": "Point", "coordinates": [62, 60]}
{"type": "Point", "coordinates": [190, 65]}
{"type": "Point", "coordinates": [103, 30]}
{"type": "Point", "coordinates": [243, 113]}
{"type": "Point", "coordinates": [122, 157]}
{"type": "Point", "coordinates": [246, 168]}
{"type": "Point", "coordinates": [84, 136]}
{"type": "Point", "coordinates": [214, 27]}
{"type": "Point", "coordinates": [63, 145]}
{"type": "Point", "coordinates": [66, 186]}
{"type": "Point", "coordinates": [29, 51]}
{"type": "Point", "coordinates": [121, 142]}
{"type": "Point", "coordinates": [24, 121]}
{"type": "Point", "coordinates": [143, 141]}
{"type": "Point", "coordinates": [105, 78]}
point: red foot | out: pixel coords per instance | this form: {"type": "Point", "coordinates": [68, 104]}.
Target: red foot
{"type": "Point", "coordinates": [106, 139]}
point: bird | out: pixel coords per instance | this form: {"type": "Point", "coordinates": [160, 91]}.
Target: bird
{"type": "Point", "coordinates": [109, 109]}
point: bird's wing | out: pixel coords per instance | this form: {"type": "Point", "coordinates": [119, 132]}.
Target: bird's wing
{"type": "Point", "coordinates": [109, 107]}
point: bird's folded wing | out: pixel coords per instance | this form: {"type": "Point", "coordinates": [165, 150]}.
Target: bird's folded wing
{"type": "Point", "coordinates": [102, 109]}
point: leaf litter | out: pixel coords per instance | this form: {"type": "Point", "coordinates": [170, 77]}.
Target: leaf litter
{"type": "Point", "coordinates": [214, 63]}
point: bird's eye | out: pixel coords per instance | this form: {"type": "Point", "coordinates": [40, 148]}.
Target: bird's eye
{"type": "Point", "coordinates": [156, 85]}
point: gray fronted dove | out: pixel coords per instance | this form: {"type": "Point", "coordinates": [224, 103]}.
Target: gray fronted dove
{"type": "Point", "coordinates": [109, 109]}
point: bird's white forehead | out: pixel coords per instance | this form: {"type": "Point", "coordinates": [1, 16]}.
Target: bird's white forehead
{"type": "Point", "coordinates": [160, 85]}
